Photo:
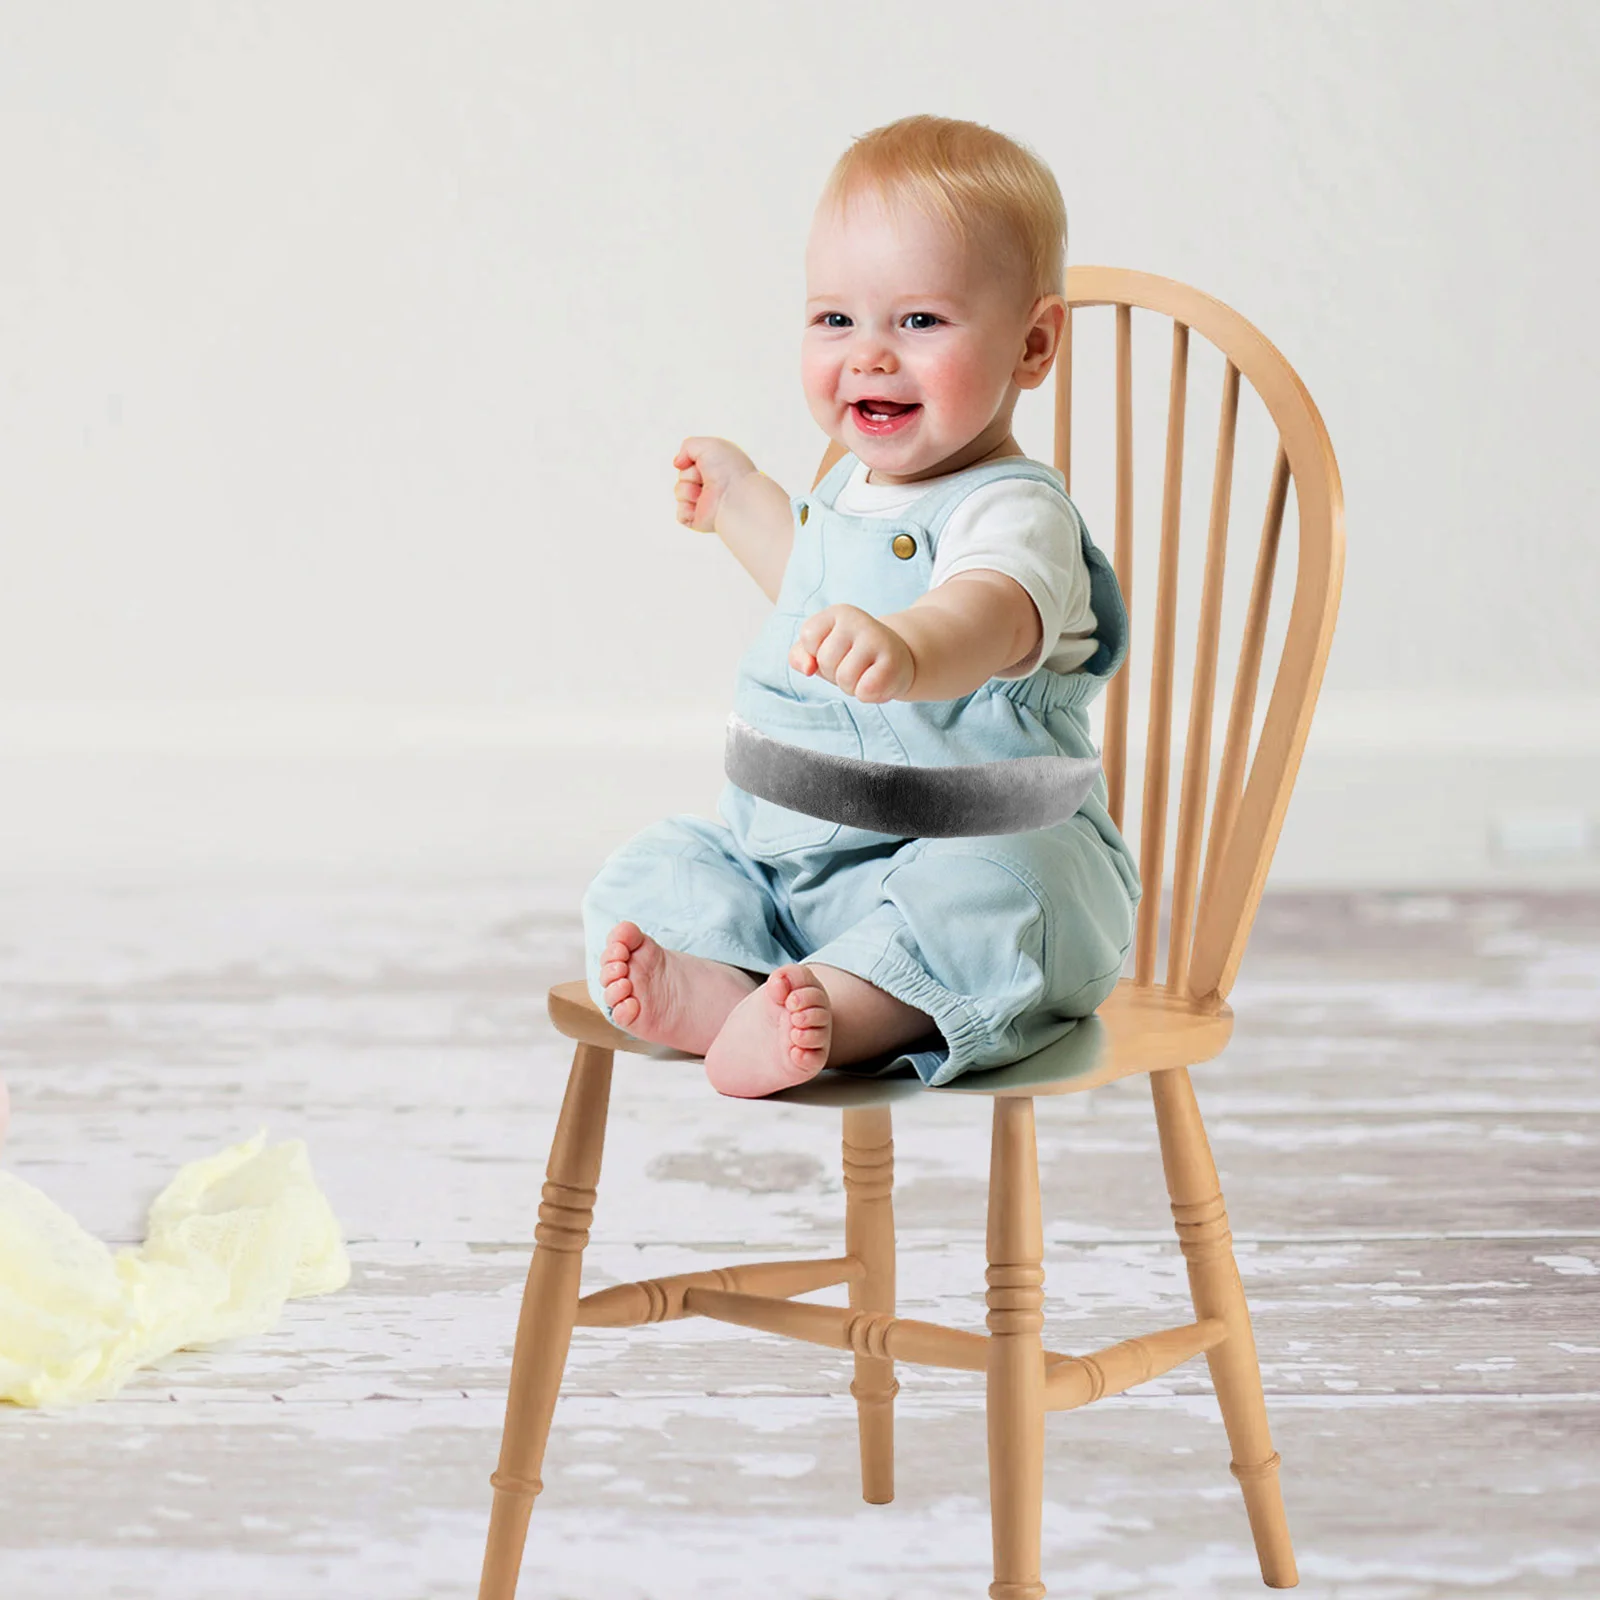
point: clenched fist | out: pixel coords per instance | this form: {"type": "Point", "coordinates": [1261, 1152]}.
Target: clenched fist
{"type": "Point", "coordinates": [707, 470]}
{"type": "Point", "coordinates": [855, 652]}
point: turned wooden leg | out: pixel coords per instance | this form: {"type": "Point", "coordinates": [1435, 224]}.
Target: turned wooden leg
{"type": "Point", "coordinates": [869, 1236]}
{"type": "Point", "coordinates": [549, 1307]}
{"type": "Point", "coordinates": [1016, 1353]}
{"type": "Point", "coordinates": [1207, 1245]}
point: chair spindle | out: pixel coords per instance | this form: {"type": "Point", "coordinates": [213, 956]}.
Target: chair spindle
{"type": "Point", "coordinates": [1197, 743]}
{"type": "Point", "coordinates": [1063, 434]}
{"type": "Point", "coordinates": [1114, 750]}
{"type": "Point", "coordinates": [1158, 738]}
{"type": "Point", "coordinates": [1241, 711]}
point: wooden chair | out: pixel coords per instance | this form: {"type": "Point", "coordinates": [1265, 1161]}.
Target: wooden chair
{"type": "Point", "coordinates": [1159, 1028]}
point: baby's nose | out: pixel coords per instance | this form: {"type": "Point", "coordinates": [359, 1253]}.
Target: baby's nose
{"type": "Point", "coordinates": [874, 358]}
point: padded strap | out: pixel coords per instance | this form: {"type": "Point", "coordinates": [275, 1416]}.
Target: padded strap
{"type": "Point", "coordinates": [964, 801]}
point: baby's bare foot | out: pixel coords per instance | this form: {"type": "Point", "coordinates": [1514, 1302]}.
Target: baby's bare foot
{"type": "Point", "coordinates": [775, 1038]}
{"type": "Point", "coordinates": [666, 996]}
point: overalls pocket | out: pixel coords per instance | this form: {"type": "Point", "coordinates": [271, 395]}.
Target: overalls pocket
{"type": "Point", "coordinates": [815, 724]}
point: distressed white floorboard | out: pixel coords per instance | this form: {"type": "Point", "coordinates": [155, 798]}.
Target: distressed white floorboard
{"type": "Point", "coordinates": [452, 1147]}
{"type": "Point", "coordinates": [648, 1497]}
{"type": "Point", "coordinates": [1406, 1123]}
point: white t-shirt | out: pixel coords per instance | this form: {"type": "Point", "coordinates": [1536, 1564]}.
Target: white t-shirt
{"type": "Point", "coordinates": [1018, 527]}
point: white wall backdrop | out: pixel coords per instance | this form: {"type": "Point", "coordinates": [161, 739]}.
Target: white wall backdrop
{"type": "Point", "coordinates": [344, 349]}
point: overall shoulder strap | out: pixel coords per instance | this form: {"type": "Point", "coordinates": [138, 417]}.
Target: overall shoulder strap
{"type": "Point", "coordinates": [837, 476]}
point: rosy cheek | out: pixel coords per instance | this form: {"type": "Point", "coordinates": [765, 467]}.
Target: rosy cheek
{"type": "Point", "coordinates": [952, 384]}
{"type": "Point", "coordinates": [819, 374]}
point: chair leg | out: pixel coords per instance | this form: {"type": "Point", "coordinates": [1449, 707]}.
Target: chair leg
{"type": "Point", "coordinates": [549, 1309]}
{"type": "Point", "coordinates": [1207, 1245]}
{"type": "Point", "coordinates": [1015, 1401]}
{"type": "Point", "coordinates": [869, 1236]}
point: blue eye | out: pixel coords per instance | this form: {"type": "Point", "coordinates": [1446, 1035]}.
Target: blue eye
{"type": "Point", "coordinates": [834, 319]}
{"type": "Point", "coordinates": [929, 319]}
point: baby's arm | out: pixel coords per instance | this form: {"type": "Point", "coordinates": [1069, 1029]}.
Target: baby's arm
{"type": "Point", "coordinates": [720, 491]}
{"type": "Point", "coordinates": [957, 636]}
{"type": "Point", "coordinates": [964, 631]}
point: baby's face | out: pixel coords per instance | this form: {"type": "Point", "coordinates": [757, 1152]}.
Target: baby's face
{"type": "Point", "coordinates": [899, 310]}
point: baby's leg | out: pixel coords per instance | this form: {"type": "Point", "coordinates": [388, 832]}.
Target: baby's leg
{"type": "Point", "coordinates": [805, 1018]}
{"type": "Point", "coordinates": [1004, 941]}
{"type": "Point", "coordinates": [964, 953]}
{"type": "Point", "coordinates": [679, 928]}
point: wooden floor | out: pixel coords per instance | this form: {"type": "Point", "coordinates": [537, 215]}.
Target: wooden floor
{"type": "Point", "coordinates": [1406, 1125]}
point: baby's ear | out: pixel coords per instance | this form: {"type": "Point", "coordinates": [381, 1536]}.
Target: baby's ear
{"type": "Point", "coordinates": [1042, 343]}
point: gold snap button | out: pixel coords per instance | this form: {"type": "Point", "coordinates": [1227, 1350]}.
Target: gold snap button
{"type": "Point", "coordinates": [805, 511]}
{"type": "Point", "coordinates": [904, 546]}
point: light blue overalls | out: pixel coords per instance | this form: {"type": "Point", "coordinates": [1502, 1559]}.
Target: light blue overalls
{"type": "Point", "coordinates": [1004, 940]}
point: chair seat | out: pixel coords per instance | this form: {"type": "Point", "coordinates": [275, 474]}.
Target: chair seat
{"type": "Point", "coordinates": [1139, 1028]}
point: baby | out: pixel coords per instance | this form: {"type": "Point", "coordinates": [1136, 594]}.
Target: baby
{"type": "Point", "coordinates": [938, 601]}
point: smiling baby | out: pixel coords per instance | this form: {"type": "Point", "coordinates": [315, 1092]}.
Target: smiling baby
{"type": "Point", "coordinates": [937, 600]}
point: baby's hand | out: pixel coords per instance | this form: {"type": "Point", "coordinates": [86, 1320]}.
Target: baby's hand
{"type": "Point", "coordinates": [854, 652]}
{"type": "Point", "coordinates": [707, 470]}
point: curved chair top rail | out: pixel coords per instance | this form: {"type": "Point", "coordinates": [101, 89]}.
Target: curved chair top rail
{"type": "Point", "coordinates": [1211, 912]}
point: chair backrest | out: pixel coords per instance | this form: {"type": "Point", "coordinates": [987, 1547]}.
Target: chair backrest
{"type": "Point", "coordinates": [1211, 908]}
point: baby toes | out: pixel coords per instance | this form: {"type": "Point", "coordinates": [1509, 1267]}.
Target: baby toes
{"type": "Point", "coordinates": [624, 942]}
{"type": "Point", "coordinates": [810, 1017]}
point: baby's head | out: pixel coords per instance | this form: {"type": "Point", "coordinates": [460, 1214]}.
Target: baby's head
{"type": "Point", "coordinates": [934, 277]}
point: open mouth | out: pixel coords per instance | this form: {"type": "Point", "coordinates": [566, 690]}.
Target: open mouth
{"type": "Point", "coordinates": [883, 416]}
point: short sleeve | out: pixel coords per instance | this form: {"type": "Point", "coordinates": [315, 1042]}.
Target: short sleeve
{"type": "Point", "coordinates": [1027, 531]}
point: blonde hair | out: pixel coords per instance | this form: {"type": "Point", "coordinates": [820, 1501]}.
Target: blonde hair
{"type": "Point", "coordinates": [989, 189]}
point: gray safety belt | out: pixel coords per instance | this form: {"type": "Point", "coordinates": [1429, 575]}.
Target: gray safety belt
{"type": "Point", "coordinates": [909, 802]}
